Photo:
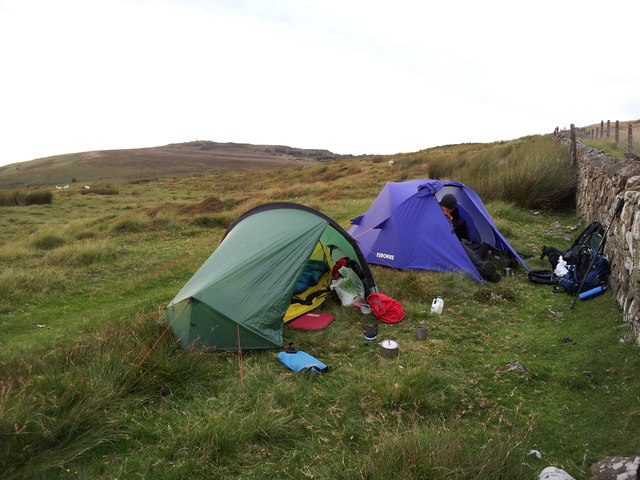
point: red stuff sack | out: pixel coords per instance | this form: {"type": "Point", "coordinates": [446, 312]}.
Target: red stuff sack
{"type": "Point", "coordinates": [386, 309]}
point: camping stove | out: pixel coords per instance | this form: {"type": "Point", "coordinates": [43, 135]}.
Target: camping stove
{"type": "Point", "coordinates": [370, 333]}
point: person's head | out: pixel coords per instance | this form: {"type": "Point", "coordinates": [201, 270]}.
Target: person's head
{"type": "Point", "coordinates": [448, 203]}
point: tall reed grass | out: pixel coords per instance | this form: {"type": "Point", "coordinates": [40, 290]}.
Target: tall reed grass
{"type": "Point", "coordinates": [445, 167]}
{"type": "Point", "coordinates": [11, 199]}
{"type": "Point", "coordinates": [74, 399]}
{"type": "Point", "coordinates": [533, 172]}
{"type": "Point", "coordinates": [17, 198]}
{"type": "Point", "coordinates": [41, 197]}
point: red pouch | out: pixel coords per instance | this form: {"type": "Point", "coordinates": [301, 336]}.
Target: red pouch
{"type": "Point", "coordinates": [386, 309]}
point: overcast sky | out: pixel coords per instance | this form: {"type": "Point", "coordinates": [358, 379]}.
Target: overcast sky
{"type": "Point", "coordinates": [350, 76]}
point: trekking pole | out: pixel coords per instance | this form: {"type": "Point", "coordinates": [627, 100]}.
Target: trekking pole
{"type": "Point", "coordinates": [616, 214]}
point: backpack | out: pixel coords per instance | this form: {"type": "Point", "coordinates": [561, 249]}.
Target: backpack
{"type": "Point", "coordinates": [544, 277]}
{"type": "Point", "coordinates": [592, 236]}
{"type": "Point", "coordinates": [582, 278]}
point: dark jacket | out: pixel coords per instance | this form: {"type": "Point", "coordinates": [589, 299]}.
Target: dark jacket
{"type": "Point", "coordinates": [459, 225]}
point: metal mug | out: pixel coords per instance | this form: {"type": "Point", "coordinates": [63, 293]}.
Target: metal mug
{"type": "Point", "coordinates": [421, 332]}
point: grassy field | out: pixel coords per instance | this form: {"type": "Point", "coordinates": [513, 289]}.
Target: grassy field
{"type": "Point", "coordinates": [91, 388]}
{"type": "Point", "coordinates": [607, 142]}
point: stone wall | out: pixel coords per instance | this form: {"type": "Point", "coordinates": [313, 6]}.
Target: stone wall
{"type": "Point", "coordinates": [602, 179]}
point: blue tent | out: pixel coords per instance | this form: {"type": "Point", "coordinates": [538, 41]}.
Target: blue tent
{"type": "Point", "coordinates": [405, 228]}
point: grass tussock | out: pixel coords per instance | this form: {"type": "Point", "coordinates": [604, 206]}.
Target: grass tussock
{"type": "Point", "coordinates": [82, 398]}
{"type": "Point", "coordinates": [420, 392]}
{"type": "Point", "coordinates": [14, 252]}
{"type": "Point", "coordinates": [85, 234]}
{"type": "Point", "coordinates": [133, 223]}
{"type": "Point", "coordinates": [213, 221]}
{"type": "Point", "coordinates": [100, 191]}
{"type": "Point", "coordinates": [11, 199]}
{"type": "Point", "coordinates": [17, 198]}
{"type": "Point", "coordinates": [16, 283]}
{"type": "Point", "coordinates": [41, 197]}
{"type": "Point", "coordinates": [47, 239]}
{"type": "Point", "coordinates": [443, 451]}
{"type": "Point", "coordinates": [209, 205]}
{"type": "Point", "coordinates": [219, 440]}
{"type": "Point", "coordinates": [82, 254]}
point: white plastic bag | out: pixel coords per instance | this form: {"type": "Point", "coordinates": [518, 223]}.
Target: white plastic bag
{"type": "Point", "coordinates": [348, 287]}
{"type": "Point", "coordinates": [561, 268]}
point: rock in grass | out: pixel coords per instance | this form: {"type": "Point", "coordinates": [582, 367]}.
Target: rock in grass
{"type": "Point", "coordinates": [515, 366]}
{"type": "Point", "coordinates": [616, 468]}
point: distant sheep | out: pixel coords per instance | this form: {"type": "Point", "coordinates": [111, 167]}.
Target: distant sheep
{"type": "Point", "coordinates": [391, 163]}
{"type": "Point", "coordinates": [87, 187]}
{"type": "Point", "coordinates": [66, 186]}
{"type": "Point", "coordinates": [59, 188]}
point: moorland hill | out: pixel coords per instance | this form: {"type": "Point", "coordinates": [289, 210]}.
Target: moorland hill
{"type": "Point", "coordinates": [178, 159]}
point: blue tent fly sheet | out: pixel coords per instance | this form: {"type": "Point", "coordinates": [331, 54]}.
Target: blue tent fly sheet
{"type": "Point", "coordinates": [405, 228]}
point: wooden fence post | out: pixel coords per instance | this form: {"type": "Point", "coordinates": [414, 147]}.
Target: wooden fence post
{"type": "Point", "coordinates": [617, 132]}
{"type": "Point", "coordinates": [574, 150]}
{"type": "Point", "coordinates": [608, 129]}
{"type": "Point", "coordinates": [630, 138]}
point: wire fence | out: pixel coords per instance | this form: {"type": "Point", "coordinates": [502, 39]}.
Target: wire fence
{"type": "Point", "coordinates": [621, 133]}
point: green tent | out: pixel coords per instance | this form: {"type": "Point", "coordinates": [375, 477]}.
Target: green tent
{"type": "Point", "coordinates": [239, 296]}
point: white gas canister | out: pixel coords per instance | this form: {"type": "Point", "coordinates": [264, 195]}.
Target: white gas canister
{"type": "Point", "coordinates": [437, 305]}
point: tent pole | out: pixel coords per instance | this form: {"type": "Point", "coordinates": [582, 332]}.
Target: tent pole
{"type": "Point", "coordinates": [240, 365]}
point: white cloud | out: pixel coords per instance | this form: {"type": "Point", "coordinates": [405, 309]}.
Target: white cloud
{"type": "Point", "coordinates": [350, 76]}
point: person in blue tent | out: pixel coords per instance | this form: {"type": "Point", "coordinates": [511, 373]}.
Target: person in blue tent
{"type": "Point", "coordinates": [477, 251]}
{"type": "Point", "coordinates": [449, 205]}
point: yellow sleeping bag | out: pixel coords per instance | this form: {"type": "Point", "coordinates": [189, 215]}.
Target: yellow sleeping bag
{"type": "Point", "coordinates": [314, 295]}
{"type": "Point", "coordinates": [311, 298]}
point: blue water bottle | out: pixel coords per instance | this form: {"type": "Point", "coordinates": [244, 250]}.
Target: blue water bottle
{"type": "Point", "coordinates": [594, 292]}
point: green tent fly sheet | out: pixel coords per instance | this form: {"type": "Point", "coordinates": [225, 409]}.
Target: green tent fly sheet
{"type": "Point", "coordinates": [240, 294]}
